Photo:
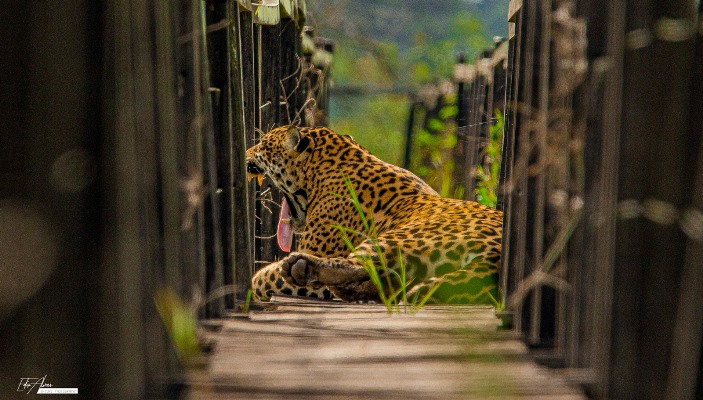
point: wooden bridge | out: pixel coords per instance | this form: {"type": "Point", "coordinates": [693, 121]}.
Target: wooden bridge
{"type": "Point", "coordinates": [297, 349]}
{"type": "Point", "coordinates": [127, 225]}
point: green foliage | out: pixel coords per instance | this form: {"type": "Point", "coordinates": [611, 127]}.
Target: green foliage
{"type": "Point", "coordinates": [377, 123]}
{"type": "Point", "coordinates": [487, 175]}
{"type": "Point", "coordinates": [435, 147]}
{"type": "Point", "coordinates": [385, 50]}
{"type": "Point", "coordinates": [432, 57]}
{"type": "Point", "coordinates": [247, 303]}
{"type": "Point", "coordinates": [392, 284]}
{"type": "Point", "coordinates": [181, 324]}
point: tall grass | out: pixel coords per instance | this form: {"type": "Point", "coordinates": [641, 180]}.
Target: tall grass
{"type": "Point", "coordinates": [392, 284]}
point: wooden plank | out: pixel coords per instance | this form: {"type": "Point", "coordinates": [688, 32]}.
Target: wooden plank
{"type": "Point", "coordinates": [513, 8]}
{"type": "Point", "coordinates": [268, 12]}
{"type": "Point", "coordinates": [336, 350]}
{"type": "Point", "coordinates": [245, 5]}
{"type": "Point", "coordinates": [288, 9]}
{"type": "Point", "coordinates": [500, 55]}
{"type": "Point", "coordinates": [464, 73]}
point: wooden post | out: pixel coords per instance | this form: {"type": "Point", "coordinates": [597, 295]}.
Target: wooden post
{"type": "Point", "coordinates": [216, 138]}
{"type": "Point", "coordinates": [409, 133]}
{"type": "Point", "coordinates": [249, 104]}
{"type": "Point", "coordinates": [240, 254]}
{"type": "Point", "coordinates": [500, 99]}
{"type": "Point", "coordinates": [269, 74]}
{"type": "Point", "coordinates": [464, 76]}
{"type": "Point", "coordinates": [505, 190]}
{"type": "Point", "coordinates": [653, 175]}
{"type": "Point", "coordinates": [472, 138]}
{"type": "Point", "coordinates": [517, 224]}
{"type": "Point", "coordinates": [685, 361]}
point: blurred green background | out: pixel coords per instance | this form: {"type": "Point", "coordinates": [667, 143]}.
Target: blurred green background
{"type": "Point", "coordinates": [385, 50]}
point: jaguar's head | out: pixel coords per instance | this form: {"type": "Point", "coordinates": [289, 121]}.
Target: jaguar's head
{"type": "Point", "coordinates": [281, 155]}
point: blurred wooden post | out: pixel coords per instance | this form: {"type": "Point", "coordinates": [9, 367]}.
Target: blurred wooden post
{"type": "Point", "coordinates": [625, 328]}
{"type": "Point", "coordinates": [323, 46]}
{"type": "Point", "coordinates": [687, 338]}
{"type": "Point", "coordinates": [516, 226]}
{"type": "Point", "coordinates": [500, 96]}
{"type": "Point", "coordinates": [460, 79]}
{"type": "Point", "coordinates": [650, 250]}
{"type": "Point", "coordinates": [472, 137]}
{"type": "Point", "coordinates": [50, 200]}
{"type": "Point", "coordinates": [463, 76]}
{"type": "Point", "coordinates": [216, 138]}
{"type": "Point", "coordinates": [540, 122]}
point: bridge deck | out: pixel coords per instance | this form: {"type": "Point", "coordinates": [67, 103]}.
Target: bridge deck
{"type": "Point", "coordinates": [296, 349]}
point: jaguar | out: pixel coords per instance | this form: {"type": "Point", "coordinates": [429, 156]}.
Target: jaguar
{"type": "Point", "coordinates": [454, 244]}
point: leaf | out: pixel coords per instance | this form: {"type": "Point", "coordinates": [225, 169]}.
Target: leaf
{"type": "Point", "coordinates": [449, 111]}
{"type": "Point", "coordinates": [435, 125]}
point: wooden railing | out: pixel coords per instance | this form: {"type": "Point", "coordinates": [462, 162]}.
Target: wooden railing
{"type": "Point", "coordinates": [601, 158]}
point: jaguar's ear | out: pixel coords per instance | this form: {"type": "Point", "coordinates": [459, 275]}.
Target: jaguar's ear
{"type": "Point", "coordinates": [295, 140]}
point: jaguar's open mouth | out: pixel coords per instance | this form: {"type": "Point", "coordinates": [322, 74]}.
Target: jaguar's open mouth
{"type": "Point", "coordinates": [253, 171]}
{"type": "Point", "coordinates": [284, 232]}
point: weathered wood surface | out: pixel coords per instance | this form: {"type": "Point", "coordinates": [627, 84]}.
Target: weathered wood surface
{"type": "Point", "coordinates": [323, 350]}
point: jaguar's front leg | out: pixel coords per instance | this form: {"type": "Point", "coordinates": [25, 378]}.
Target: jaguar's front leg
{"type": "Point", "coordinates": [347, 279]}
{"type": "Point", "coordinates": [305, 269]}
{"type": "Point", "coordinates": [268, 282]}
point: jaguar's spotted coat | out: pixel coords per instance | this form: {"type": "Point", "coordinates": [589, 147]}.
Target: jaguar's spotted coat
{"type": "Point", "coordinates": [453, 243]}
